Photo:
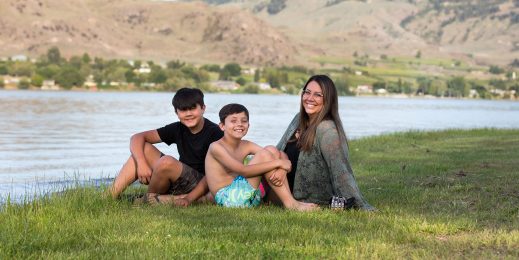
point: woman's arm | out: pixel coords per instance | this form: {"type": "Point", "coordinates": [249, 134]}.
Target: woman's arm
{"type": "Point", "coordinates": [288, 133]}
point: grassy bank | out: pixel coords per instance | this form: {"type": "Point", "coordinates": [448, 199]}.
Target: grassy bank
{"type": "Point", "coordinates": [449, 194]}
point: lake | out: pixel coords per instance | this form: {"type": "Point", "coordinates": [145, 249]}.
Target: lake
{"type": "Point", "coordinates": [52, 139]}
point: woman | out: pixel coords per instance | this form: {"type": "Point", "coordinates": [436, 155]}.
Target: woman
{"type": "Point", "coordinates": [316, 145]}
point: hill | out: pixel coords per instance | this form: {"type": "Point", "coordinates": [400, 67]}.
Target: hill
{"type": "Point", "coordinates": [263, 32]}
{"type": "Point", "coordinates": [140, 29]}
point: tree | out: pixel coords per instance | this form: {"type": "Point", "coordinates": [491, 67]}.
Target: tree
{"type": "Point", "coordinates": [194, 73]}
{"type": "Point", "coordinates": [49, 71]}
{"type": "Point", "coordinates": [257, 75]}
{"type": "Point", "coordinates": [495, 69]}
{"type": "Point", "coordinates": [251, 89]}
{"type": "Point", "coordinates": [497, 83]}
{"type": "Point", "coordinates": [157, 75]}
{"type": "Point", "coordinates": [418, 54]}
{"type": "Point", "coordinates": [54, 55]}
{"type": "Point", "coordinates": [343, 86]}
{"type": "Point", "coordinates": [438, 88]}
{"type": "Point", "coordinates": [68, 77]}
{"type": "Point", "coordinates": [3, 69]}
{"type": "Point", "coordinates": [379, 85]}
{"type": "Point", "coordinates": [211, 67]}
{"type": "Point", "coordinates": [224, 75]}
{"type": "Point", "coordinates": [2, 84]}
{"type": "Point", "coordinates": [22, 69]}
{"type": "Point", "coordinates": [458, 87]}
{"type": "Point", "coordinates": [99, 64]}
{"type": "Point", "coordinates": [241, 81]}
{"type": "Point", "coordinates": [175, 64]}
{"type": "Point", "coordinates": [233, 69]}
{"type": "Point", "coordinates": [129, 75]}
{"type": "Point", "coordinates": [37, 80]}
{"type": "Point", "coordinates": [424, 85]}
{"type": "Point", "coordinates": [24, 83]}
{"type": "Point", "coordinates": [76, 62]}
{"type": "Point", "coordinates": [86, 58]}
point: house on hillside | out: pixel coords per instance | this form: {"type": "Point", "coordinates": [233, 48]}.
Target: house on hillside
{"type": "Point", "coordinates": [262, 85]}
{"type": "Point", "coordinates": [381, 91]}
{"type": "Point", "coordinates": [49, 84]}
{"type": "Point", "coordinates": [89, 82]}
{"type": "Point", "coordinates": [224, 84]}
{"type": "Point", "coordinates": [473, 93]}
{"type": "Point", "coordinates": [11, 82]}
{"type": "Point", "coordinates": [249, 71]}
{"type": "Point", "coordinates": [364, 89]}
{"type": "Point", "coordinates": [144, 69]}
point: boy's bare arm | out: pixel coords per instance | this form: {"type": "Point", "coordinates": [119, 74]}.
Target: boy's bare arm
{"type": "Point", "coordinates": [137, 142]}
{"type": "Point", "coordinates": [223, 157]}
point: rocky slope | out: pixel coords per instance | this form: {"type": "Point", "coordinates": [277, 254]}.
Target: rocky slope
{"type": "Point", "coordinates": [141, 29]}
{"type": "Point", "coordinates": [262, 32]}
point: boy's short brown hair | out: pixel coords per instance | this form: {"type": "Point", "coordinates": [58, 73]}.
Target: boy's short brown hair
{"type": "Point", "coordinates": [187, 98]}
{"type": "Point", "coordinates": [231, 109]}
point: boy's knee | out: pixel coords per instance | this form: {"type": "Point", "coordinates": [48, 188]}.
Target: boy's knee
{"type": "Point", "coordinates": [273, 150]}
{"type": "Point", "coordinates": [167, 162]}
{"type": "Point", "coordinates": [264, 155]}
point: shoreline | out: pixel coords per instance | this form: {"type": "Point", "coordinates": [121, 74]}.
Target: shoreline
{"type": "Point", "coordinates": [390, 96]}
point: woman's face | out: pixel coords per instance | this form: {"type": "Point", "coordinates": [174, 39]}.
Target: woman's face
{"type": "Point", "coordinates": [313, 99]}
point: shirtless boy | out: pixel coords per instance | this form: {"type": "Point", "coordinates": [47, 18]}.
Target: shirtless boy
{"type": "Point", "coordinates": [234, 184]}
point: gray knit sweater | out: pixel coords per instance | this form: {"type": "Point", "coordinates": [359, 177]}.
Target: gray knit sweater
{"type": "Point", "coordinates": [325, 170]}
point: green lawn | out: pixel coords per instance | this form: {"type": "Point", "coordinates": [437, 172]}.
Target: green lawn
{"type": "Point", "coordinates": [449, 194]}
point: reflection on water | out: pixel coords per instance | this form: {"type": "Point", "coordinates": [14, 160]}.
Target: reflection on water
{"type": "Point", "coordinates": [51, 136]}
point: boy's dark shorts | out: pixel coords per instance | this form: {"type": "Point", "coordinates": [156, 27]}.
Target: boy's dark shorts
{"type": "Point", "coordinates": [187, 181]}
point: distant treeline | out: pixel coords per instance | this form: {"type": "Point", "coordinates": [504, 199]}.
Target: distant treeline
{"type": "Point", "coordinates": [148, 75]}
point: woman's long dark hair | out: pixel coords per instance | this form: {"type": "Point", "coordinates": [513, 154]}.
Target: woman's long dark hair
{"type": "Point", "coordinates": [307, 128]}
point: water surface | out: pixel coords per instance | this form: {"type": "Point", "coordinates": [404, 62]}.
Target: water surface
{"type": "Point", "coordinates": [52, 138]}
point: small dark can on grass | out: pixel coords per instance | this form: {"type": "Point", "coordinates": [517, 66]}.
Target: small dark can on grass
{"type": "Point", "coordinates": [341, 203]}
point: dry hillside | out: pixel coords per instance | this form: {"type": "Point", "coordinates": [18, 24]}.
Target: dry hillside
{"type": "Point", "coordinates": [140, 29]}
{"type": "Point", "coordinates": [262, 32]}
{"type": "Point", "coordinates": [487, 31]}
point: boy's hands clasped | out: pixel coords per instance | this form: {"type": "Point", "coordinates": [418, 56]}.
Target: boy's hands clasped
{"type": "Point", "coordinates": [280, 173]}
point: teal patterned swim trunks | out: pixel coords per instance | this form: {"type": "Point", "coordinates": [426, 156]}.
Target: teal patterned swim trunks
{"type": "Point", "coordinates": [238, 194]}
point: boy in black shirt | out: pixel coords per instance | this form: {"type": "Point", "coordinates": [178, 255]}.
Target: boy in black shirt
{"type": "Point", "coordinates": [166, 176]}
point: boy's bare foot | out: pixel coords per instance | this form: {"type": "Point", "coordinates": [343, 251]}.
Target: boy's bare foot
{"type": "Point", "coordinates": [303, 206]}
{"type": "Point", "coordinates": [157, 199]}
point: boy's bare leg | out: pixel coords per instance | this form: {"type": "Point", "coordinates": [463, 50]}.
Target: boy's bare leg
{"type": "Point", "coordinates": [128, 173]}
{"type": "Point", "coordinates": [165, 171]}
{"type": "Point", "coordinates": [168, 198]}
{"type": "Point", "coordinates": [283, 191]}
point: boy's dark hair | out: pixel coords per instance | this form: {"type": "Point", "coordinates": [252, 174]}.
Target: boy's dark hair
{"type": "Point", "coordinates": [231, 109]}
{"type": "Point", "coordinates": [188, 98]}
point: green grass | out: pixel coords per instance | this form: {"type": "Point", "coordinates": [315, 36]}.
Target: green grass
{"type": "Point", "coordinates": [448, 194]}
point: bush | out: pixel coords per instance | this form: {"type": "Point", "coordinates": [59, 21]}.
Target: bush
{"type": "Point", "coordinates": [211, 67]}
{"type": "Point", "coordinates": [251, 89]}
{"type": "Point", "coordinates": [24, 83]}
{"type": "Point", "coordinates": [241, 81]}
{"type": "Point", "coordinates": [496, 70]}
